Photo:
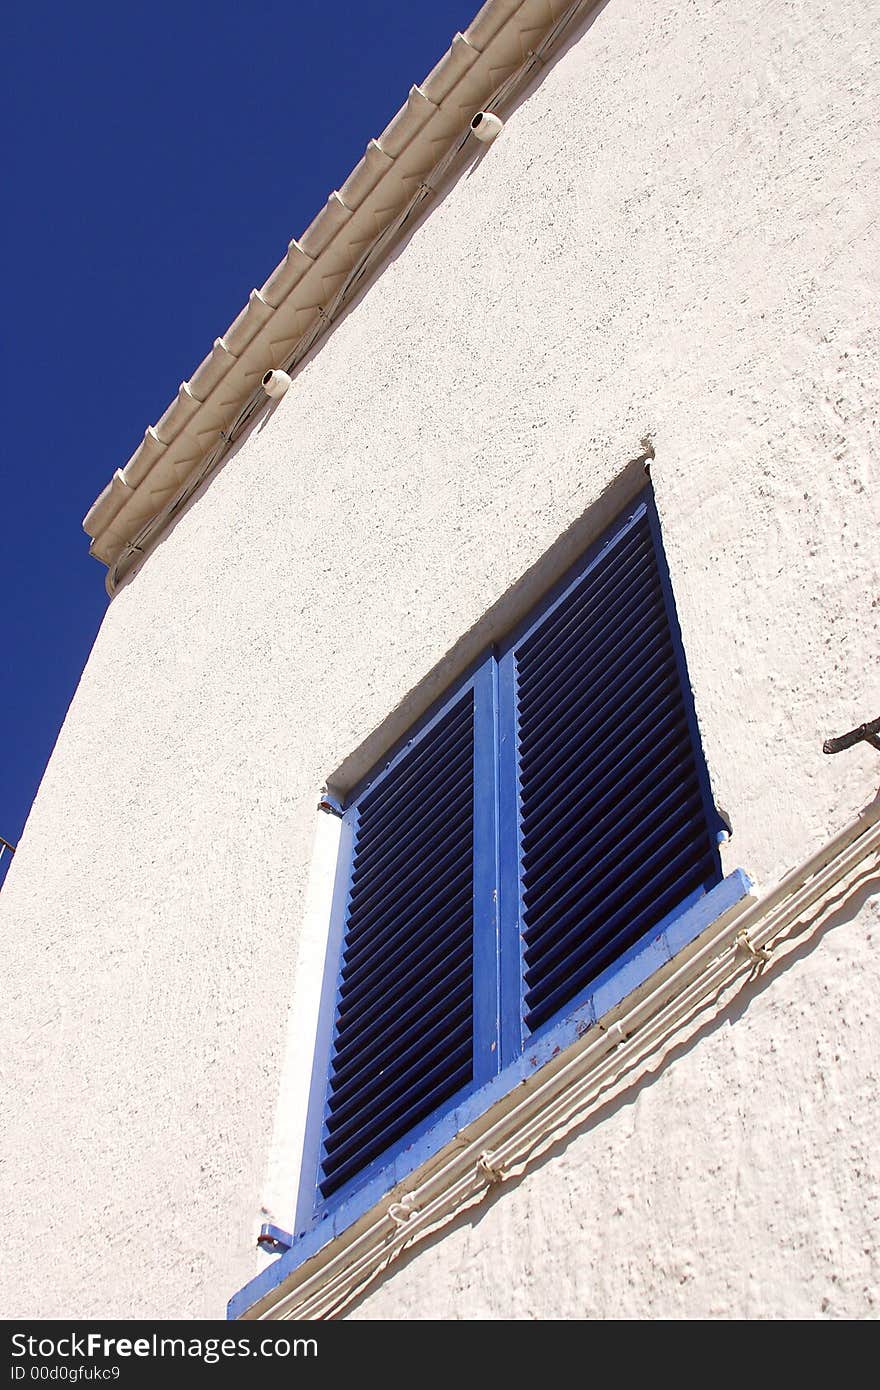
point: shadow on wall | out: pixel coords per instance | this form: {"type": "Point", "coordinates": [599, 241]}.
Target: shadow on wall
{"type": "Point", "coordinates": [835, 912]}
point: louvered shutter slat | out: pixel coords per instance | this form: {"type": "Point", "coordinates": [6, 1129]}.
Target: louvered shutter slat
{"type": "Point", "coordinates": [428, 1005]}
{"type": "Point", "coordinates": [452, 890]}
{"type": "Point", "coordinates": [592, 753]}
{"type": "Point", "coordinates": [604, 826]}
{"type": "Point", "coordinates": [631, 601]}
{"type": "Point", "coordinates": [456, 1068]}
{"type": "Point", "coordinates": [393, 800]}
{"type": "Point", "coordinates": [351, 1109]}
{"type": "Point", "coordinates": [548, 839]}
{"type": "Point", "coordinates": [411, 972]}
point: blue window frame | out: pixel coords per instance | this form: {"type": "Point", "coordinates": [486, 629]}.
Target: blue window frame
{"type": "Point", "coordinates": [544, 822]}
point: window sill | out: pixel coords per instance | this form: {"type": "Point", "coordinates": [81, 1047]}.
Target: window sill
{"type": "Point", "coordinates": [501, 1127]}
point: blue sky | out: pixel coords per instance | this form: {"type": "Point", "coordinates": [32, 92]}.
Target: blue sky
{"type": "Point", "coordinates": [159, 158]}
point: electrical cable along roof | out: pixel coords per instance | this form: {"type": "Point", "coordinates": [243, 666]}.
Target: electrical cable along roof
{"type": "Point", "coordinates": [495, 56]}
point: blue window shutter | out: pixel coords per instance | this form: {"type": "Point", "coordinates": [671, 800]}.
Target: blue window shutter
{"type": "Point", "coordinates": [614, 821]}
{"type": "Point", "coordinates": [547, 816]}
{"type": "Point", "coordinates": [404, 1027]}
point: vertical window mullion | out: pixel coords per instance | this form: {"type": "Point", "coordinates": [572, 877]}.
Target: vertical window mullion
{"type": "Point", "coordinates": [487, 1052]}
{"type": "Point", "coordinates": [509, 875]}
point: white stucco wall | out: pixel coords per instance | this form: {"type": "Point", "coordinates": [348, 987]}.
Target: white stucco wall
{"type": "Point", "coordinates": [676, 236]}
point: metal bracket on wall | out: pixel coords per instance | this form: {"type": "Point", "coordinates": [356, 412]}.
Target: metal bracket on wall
{"type": "Point", "coordinates": [865, 733]}
{"type": "Point", "coordinates": [273, 1240]}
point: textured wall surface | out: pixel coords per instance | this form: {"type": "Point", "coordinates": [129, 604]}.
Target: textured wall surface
{"type": "Point", "coordinates": [740, 1181]}
{"type": "Point", "coordinates": [675, 236]}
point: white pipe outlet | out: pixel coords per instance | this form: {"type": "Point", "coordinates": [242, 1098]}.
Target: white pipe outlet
{"type": "Point", "coordinates": [486, 126]}
{"type": "Point", "coordinates": [275, 383]}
